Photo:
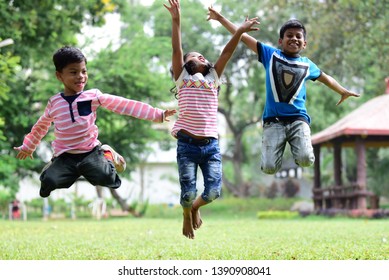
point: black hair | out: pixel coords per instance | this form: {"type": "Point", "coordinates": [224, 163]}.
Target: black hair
{"type": "Point", "coordinates": [190, 67]}
{"type": "Point", "coordinates": [292, 23]}
{"type": "Point", "coordinates": [67, 55]}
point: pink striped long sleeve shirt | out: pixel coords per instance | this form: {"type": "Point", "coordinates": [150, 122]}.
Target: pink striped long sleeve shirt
{"type": "Point", "coordinates": [75, 130]}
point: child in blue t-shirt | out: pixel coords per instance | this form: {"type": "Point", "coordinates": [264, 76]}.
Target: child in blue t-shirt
{"type": "Point", "coordinates": [285, 117]}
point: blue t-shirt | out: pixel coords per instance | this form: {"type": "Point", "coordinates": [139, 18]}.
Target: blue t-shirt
{"type": "Point", "coordinates": [285, 83]}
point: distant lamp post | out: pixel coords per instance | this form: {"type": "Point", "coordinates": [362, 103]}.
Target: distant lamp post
{"type": "Point", "coordinates": [6, 42]}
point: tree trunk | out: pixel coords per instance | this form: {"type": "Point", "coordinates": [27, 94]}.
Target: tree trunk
{"type": "Point", "coordinates": [124, 205]}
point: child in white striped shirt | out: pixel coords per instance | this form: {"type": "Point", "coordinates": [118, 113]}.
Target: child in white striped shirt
{"type": "Point", "coordinates": [197, 83]}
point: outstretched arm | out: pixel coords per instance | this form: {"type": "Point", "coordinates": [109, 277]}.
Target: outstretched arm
{"type": "Point", "coordinates": [335, 86]}
{"type": "Point", "coordinates": [177, 55]}
{"type": "Point", "coordinates": [232, 44]}
{"type": "Point", "coordinates": [250, 41]}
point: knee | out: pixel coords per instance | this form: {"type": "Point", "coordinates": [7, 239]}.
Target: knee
{"type": "Point", "coordinates": [306, 160]}
{"type": "Point", "coordinates": [107, 178]}
{"type": "Point", "coordinates": [48, 180]}
{"type": "Point", "coordinates": [211, 195]}
{"type": "Point", "coordinates": [269, 169]}
{"type": "Point", "coordinates": [187, 198]}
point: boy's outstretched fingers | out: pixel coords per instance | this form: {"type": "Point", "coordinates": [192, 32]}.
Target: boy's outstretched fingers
{"type": "Point", "coordinates": [347, 95]}
{"type": "Point", "coordinates": [22, 154]}
{"type": "Point", "coordinates": [169, 113]}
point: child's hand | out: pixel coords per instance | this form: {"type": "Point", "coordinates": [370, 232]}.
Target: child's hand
{"type": "Point", "coordinates": [174, 8]}
{"type": "Point", "coordinates": [168, 113]}
{"type": "Point", "coordinates": [22, 154]}
{"type": "Point", "coordinates": [347, 95]}
{"type": "Point", "coordinates": [248, 24]}
{"type": "Point", "coordinates": [213, 14]}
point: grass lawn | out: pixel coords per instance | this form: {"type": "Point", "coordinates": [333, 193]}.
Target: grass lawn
{"type": "Point", "coordinates": [222, 237]}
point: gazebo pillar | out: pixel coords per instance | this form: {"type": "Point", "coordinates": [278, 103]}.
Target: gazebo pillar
{"type": "Point", "coordinates": [337, 174]}
{"type": "Point", "coordinates": [361, 171]}
{"type": "Point", "coordinates": [338, 163]}
{"type": "Point", "coordinates": [317, 194]}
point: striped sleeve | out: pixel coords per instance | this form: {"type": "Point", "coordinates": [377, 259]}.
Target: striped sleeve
{"type": "Point", "coordinates": [133, 108]}
{"type": "Point", "coordinates": [38, 131]}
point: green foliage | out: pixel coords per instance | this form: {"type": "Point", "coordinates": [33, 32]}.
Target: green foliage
{"type": "Point", "coordinates": [5, 199]}
{"type": "Point", "coordinates": [226, 207]}
{"type": "Point", "coordinates": [277, 215]}
{"type": "Point", "coordinates": [378, 181]}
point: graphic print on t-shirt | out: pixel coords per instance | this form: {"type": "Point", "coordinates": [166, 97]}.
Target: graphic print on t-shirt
{"type": "Point", "coordinates": [287, 79]}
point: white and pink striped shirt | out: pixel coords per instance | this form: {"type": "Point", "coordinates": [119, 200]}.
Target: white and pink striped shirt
{"type": "Point", "coordinates": [74, 123]}
{"type": "Point", "coordinates": [197, 103]}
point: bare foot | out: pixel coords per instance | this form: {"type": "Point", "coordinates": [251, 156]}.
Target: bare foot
{"type": "Point", "coordinates": [196, 218]}
{"type": "Point", "coordinates": [187, 227]}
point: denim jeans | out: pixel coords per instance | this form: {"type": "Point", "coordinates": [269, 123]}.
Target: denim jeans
{"type": "Point", "coordinates": [65, 169]}
{"type": "Point", "coordinates": [208, 158]}
{"type": "Point", "coordinates": [275, 137]}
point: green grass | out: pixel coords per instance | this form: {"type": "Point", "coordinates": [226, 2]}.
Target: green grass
{"type": "Point", "coordinates": [222, 237]}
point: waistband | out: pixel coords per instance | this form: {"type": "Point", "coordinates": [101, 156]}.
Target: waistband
{"type": "Point", "coordinates": [80, 156]}
{"type": "Point", "coordinates": [182, 136]}
{"type": "Point", "coordinates": [284, 120]}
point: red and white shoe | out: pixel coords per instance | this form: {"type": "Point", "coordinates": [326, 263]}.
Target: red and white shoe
{"type": "Point", "coordinates": [117, 159]}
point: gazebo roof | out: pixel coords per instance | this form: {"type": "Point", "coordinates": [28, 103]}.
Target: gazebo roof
{"type": "Point", "coordinates": [370, 121]}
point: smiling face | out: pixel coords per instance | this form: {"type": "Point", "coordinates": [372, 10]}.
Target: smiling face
{"type": "Point", "coordinates": [74, 77]}
{"type": "Point", "coordinates": [196, 63]}
{"type": "Point", "coordinates": [293, 42]}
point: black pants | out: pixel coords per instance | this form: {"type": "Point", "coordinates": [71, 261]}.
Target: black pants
{"type": "Point", "coordinates": [67, 168]}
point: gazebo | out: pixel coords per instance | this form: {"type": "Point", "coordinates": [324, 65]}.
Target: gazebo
{"type": "Point", "coordinates": [367, 126]}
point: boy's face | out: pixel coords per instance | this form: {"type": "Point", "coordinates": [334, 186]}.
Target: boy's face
{"type": "Point", "coordinates": [74, 77]}
{"type": "Point", "coordinates": [293, 42]}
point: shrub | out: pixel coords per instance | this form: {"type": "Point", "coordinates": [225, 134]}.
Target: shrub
{"type": "Point", "coordinates": [277, 215]}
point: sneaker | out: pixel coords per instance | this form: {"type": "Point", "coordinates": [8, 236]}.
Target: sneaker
{"type": "Point", "coordinates": [118, 160]}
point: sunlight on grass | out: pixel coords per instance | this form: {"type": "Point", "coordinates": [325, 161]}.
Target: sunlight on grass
{"type": "Point", "coordinates": [218, 239]}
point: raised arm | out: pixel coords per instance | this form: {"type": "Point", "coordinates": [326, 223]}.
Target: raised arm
{"type": "Point", "coordinates": [250, 41]}
{"type": "Point", "coordinates": [177, 55]}
{"type": "Point", "coordinates": [232, 44]}
{"type": "Point", "coordinates": [335, 86]}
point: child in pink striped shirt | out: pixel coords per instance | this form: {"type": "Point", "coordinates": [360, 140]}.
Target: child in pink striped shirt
{"type": "Point", "coordinates": [77, 150]}
{"type": "Point", "coordinates": [197, 83]}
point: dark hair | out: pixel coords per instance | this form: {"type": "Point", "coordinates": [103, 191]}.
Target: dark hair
{"type": "Point", "coordinates": [190, 67]}
{"type": "Point", "coordinates": [67, 55]}
{"type": "Point", "coordinates": [292, 23]}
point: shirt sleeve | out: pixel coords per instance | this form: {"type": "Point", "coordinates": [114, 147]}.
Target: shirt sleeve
{"type": "Point", "coordinates": [38, 131]}
{"type": "Point", "coordinates": [314, 71]}
{"type": "Point", "coordinates": [265, 52]}
{"type": "Point", "coordinates": [129, 107]}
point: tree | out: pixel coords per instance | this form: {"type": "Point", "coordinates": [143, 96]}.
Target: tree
{"type": "Point", "coordinates": [27, 80]}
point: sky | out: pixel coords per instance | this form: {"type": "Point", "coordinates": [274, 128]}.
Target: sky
{"type": "Point", "coordinates": [93, 39]}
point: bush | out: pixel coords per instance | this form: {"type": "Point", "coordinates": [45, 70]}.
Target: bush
{"type": "Point", "coordinates": [277, 215]}
{"type": "Point", "coordinates": [226, 206]}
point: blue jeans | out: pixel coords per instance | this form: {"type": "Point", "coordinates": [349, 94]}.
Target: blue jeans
{"type": "Point", "coordinates": [275, 137]}
{"type": "Point", "coordinates": [65, 169]}
{"type": "Point", "coordinates": [191, 156]}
